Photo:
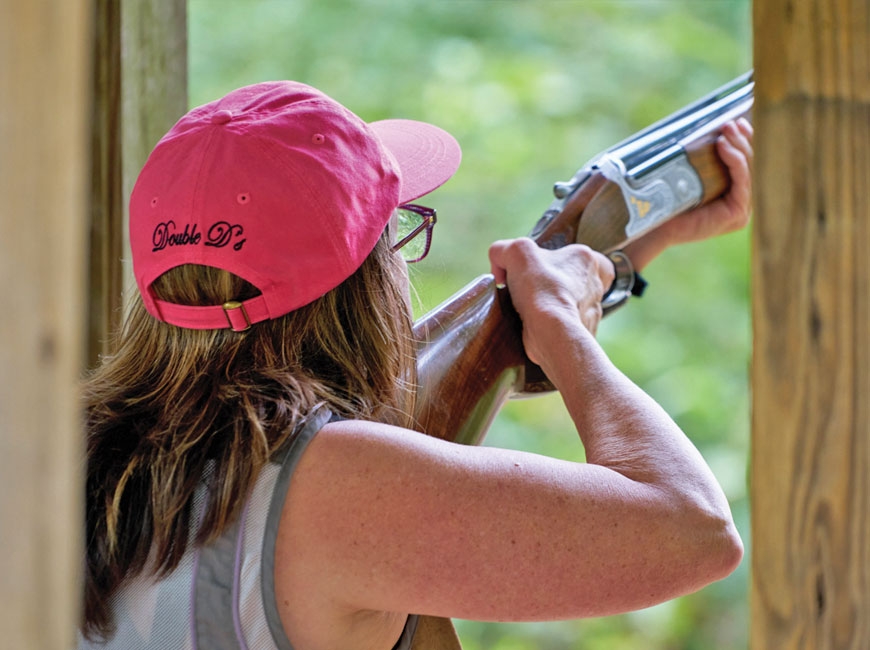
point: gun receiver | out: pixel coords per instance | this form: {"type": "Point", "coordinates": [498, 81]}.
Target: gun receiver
{"type": "Point", "coordinates": [656, 174]}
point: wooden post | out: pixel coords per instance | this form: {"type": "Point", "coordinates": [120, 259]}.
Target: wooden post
{"type": "Point", "coordinates": [153, 86]}
{"type": "Point", "coordinates": [105, 281]}
{"type": "Point", "coordinates": [810, 471]}
{"type": "Point", "coordinates": [140, 90]}
{"type": "Point", "coordinates": [48, 50]}
{"type": "Point", "coordinates": [45, 50]}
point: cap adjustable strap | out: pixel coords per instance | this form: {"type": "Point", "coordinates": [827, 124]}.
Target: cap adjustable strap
{"type": "Point", "coordinates": [234, 315]}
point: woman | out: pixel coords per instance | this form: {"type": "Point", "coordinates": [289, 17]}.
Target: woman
{"type": "Point", "coordinates": [254, 479]}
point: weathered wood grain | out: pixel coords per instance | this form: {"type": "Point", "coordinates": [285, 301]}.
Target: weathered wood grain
{"type": "Point", "coordinates": [810, 470]}
{"type": "Point", "coordinates": [44, 163]}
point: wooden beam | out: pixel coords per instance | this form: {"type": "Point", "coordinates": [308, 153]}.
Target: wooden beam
{"type": "Point", "coordinates": [810, 471]}
{"type": "Point", "coordinates": [54, 116]}
{"type": "Point", "coordinates": [140, 90]}
{"type": "Point", "coordinates": [45, 51]}
{"type": "Point", "coordinates": [105, 284]}
{"type": "Point", "coordinates": [153, 87]}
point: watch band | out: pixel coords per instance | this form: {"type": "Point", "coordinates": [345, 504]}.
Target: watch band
{"type": "Point", "coordinates": [626, 282]}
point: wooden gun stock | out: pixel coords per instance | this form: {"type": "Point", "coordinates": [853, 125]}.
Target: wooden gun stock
{"type": "Point", "coordinates": [470, 352]}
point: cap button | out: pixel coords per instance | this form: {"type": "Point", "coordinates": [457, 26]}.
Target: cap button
{"type": "Point", "coordinates": [221, 117]}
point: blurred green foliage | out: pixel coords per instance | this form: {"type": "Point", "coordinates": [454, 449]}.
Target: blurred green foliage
{"type": "Point", "coordinates": [533, 89]}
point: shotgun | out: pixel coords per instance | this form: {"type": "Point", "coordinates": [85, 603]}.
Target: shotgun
{"type": "Point", "coordinates": [470, 352]}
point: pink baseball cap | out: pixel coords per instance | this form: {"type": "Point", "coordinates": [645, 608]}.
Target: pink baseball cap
{"type": "Point", "coordinates": [280, 185]}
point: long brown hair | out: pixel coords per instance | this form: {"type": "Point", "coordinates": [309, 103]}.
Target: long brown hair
{"type": "Point", "coordinates": [171, 402]}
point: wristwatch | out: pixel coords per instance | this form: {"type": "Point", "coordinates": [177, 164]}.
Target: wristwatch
{"type": "Point", "coordinates": [626, 282]}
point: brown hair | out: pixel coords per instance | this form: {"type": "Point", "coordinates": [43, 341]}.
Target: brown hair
{"type": "Point", "coordinates": [171, 402]}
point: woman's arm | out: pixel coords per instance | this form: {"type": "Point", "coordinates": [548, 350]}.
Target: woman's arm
{"type": "Point", "coordinates": [382, 520]}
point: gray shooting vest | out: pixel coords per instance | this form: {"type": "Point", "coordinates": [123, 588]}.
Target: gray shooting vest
{"type": "Point", "coordinates": [221, 596]}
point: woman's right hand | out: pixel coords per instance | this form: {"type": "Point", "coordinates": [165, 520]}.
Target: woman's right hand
{"type": "Point", "coordinates": [551, 287]}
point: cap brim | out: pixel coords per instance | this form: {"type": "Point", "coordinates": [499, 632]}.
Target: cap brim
{"type": "Point", "coordinates": [427, 155]}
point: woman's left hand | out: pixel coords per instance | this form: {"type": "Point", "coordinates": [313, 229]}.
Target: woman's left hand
{"type": "Point", "coordinates": [726, 214]}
